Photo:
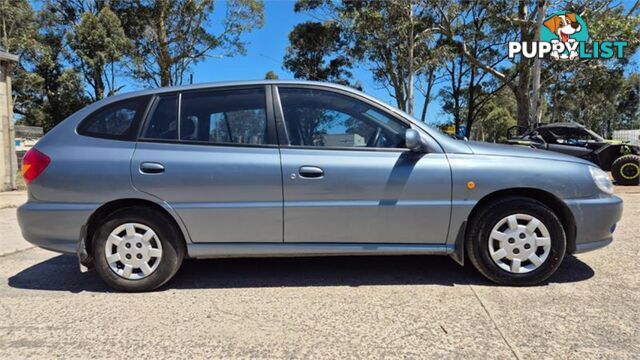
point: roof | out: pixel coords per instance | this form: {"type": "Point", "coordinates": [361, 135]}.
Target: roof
{"type": "Point", "coordinates": [236, 83]}
{"type": "Point", "coordinates": [8, 57]}
{"type": "Point", "coordinates": [562, 124]}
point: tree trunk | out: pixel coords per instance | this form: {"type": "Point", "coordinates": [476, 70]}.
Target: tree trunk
{"type": "Point", "coordinates": [523, 86]}
{"type": "Point", "coordinates": [164, 59]}
{"type": "Point", "coordinates": [410, 66]}
{"type": "Point", "coordinates": [427, 95]}
{"type": "Point", "coordinates": [99, 84]}
{"type": "Point", "coordinates": [522, 100]}
{"type": "Point", "coordinates": [536, 111]}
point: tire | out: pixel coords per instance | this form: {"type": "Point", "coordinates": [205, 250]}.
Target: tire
{"type": "Point", "coordinates": [481, 242]}
{"type": "Point", "coordinates": [626, 170]}
{"type": "Point", "coordinates": [162, 253]}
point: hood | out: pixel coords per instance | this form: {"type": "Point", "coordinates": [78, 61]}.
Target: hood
{"type": "Point", "coordinates": [482, 148]}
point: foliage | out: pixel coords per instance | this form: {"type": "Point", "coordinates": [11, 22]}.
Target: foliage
{"type": "Point", "coordinates": [495, 118]}
{"type": "Point", "coordinates": [271, 75]}
{"type": "Point", "coordinates": [45, 91]}
{"type": "Point", "coordinates": [48, 92]}
{"type": "Point", "coordinates": [99, 42]}
{"type": "Point", "coordinates": [316, 53]}
{"type": "Point", "coordinates": [171, 36]}
{"type": "Point", "coordinates": [391, 38]}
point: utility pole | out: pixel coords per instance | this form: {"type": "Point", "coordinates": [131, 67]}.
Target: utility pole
{"type": "Point", "coordinates": [8, 160]}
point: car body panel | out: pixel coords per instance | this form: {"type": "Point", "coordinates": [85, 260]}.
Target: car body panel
{"type": "Point", "coordinates": [494, 173]}
{"type": "Point", "coordinates": [410, 193]}
{"type": "Point", "coordinates": [216, 190]}
{"type": "Point", "coordinates": [86, 173]}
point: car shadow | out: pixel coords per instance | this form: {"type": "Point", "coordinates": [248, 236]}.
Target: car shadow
{"type": "Point", "coordinates": [61, 273]}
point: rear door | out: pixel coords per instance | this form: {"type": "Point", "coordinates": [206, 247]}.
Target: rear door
{"type": "Point", "coordinates": [348, 177]}
{"type": "Point", "coordinates": [212, 156]}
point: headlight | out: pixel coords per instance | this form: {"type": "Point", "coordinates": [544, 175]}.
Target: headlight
{"type": "Point", "coordinates": [601, 179]}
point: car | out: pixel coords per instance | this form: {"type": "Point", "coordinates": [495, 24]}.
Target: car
{"type": "Point", "coordinates": [622, 159]}
{"type": "Point", "coordinates": [135, 183]}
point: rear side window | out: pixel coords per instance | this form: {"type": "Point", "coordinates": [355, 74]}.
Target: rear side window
{"type": "Point", "coordinates": [117, 121]}
{"type": "Point", "coordinates": [224, 116]}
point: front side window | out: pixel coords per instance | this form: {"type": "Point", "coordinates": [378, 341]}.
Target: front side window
{"type": "Point", "coordinates": [327, 119]}
{"type": "Point", "coordinates": [116, 121]}
{"type": "Point", "coordinates": [224, 116]}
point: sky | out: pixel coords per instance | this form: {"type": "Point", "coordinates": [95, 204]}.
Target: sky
{"type": "Point", "coordinates": [265, 51]}
{"type": "Point", "coordinates": [266, 48]}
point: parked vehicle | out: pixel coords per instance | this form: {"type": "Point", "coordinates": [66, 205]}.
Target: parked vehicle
{"type": "Point", "coordinates": [621, 158]}
{"type": "Point", "coordinates": [135, 183]}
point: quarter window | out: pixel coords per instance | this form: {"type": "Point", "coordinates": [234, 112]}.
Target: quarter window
{"type": "Point", "coordinates": [224, 116]}
{"type": "Point", "coordinates": [328, 119]}
{"type": "Point", "coordinates": [117, 121]}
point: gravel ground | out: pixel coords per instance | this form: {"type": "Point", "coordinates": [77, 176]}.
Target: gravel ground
{"type": "Point", "coordinates": [337, 307]}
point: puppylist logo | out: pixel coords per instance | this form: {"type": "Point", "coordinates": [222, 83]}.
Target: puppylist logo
{"type": "Point", "coordinates": [565, 36]}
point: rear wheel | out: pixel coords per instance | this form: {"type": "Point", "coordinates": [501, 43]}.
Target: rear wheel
{"type": "Point", "coordinates": [516, 241]}
{"type": "Point", "coordinates": [137, 249]}
{"type": "Point", "coordinates": [626, 170]}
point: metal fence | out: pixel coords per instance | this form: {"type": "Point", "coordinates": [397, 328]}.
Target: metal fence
{"type": "Point", "coordinates": [632, 136]}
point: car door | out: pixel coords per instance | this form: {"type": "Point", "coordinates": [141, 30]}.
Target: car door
{"type": "Point", "coordinates": [347, 177]}
{"type": "Point", "coordinates": [212, 156]}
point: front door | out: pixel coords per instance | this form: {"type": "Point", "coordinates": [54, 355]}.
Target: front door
{"type": "Point", "coordinates": [217, 164]}
{"type": "Point", "coordinates": [349, 179]}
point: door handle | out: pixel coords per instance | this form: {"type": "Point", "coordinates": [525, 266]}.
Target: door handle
{"type": "Point", "coordinates": [151, 168]}
{"type": "Point", "coordinates": [310, 172]}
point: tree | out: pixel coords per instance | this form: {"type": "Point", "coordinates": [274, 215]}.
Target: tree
{"type": "Point", "coordinates": [592, 91]}
{"type": "Point", "coordinates": [316, 52]}
{"type": "Point", "coordinates": [270, 75]}
{"type": "Point", "coordinates": [469, 87]}
{"type": "Point", "coordinates": [393, 38]}
{"type": "Point", "coordinates": [495, 118]}
{"type": "Point", "coordinates": [57, 92]}
{"type": "Point", "coordinates": [99, 42]}
{"type": "Point", "coordinates": [19, 36]}
{"type": "Point", "coordinates": [45, 90]}
{"type": "Point", "coordinates": [506, 19]}
{"type": "Point", "coordinates": [515, 22]}
{"type": "Point", "coordinates": [171, 36]}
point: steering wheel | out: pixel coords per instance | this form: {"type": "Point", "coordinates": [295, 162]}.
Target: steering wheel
{"type": "Point", "coordinates": [374, 140]}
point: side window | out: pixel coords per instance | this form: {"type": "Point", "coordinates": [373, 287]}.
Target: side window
{"type": "Point", "coordinates": [224, 116]}
{"type": "Point", "coordinates": [117, 121]}
{"type": "Point", "coordinates": [327, 119]}
{"type": "Point", "coordinates": [163, 124]}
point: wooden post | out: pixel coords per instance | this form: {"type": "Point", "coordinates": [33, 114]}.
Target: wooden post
{"type": "Point", "coordinates": [8, 160]}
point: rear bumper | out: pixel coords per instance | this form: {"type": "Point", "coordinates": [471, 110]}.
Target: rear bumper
{"type": "Point", "coordinates": [596, 220]}
{"type": "Point", "coordinates": [54, 226]}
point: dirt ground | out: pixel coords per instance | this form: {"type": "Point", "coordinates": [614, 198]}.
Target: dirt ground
{"type": "Point", "coordinates": [416, 306]}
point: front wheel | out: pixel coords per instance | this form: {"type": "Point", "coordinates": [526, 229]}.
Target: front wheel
{"type": "Point", "coordinates": [516, 241]}
{"type": "Point", "coordinates": [137, 249]}
{"type": "Point", "coordinates": [626, 170]}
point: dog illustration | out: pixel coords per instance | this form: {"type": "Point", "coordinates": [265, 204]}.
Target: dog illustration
{"type": "Point", "coordinates": [564, 26]}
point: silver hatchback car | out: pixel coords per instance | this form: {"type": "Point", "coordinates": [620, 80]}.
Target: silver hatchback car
{"type": "Point", "coordinates": [135, 183]}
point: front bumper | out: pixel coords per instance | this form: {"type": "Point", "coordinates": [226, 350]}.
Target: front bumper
{"type": "Point", "coordinates": [54, 226]}
{"type": "Point", "coordinates": [596, 220]}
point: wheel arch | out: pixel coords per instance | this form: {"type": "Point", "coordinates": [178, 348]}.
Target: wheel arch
{"type": "Point", "coordinates": [553, 202]}
{"type": "Point", "coordinates": [93, 222]}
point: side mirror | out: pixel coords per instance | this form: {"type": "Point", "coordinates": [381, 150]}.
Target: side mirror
{"type": "Point", "coordinates": [413, 141]}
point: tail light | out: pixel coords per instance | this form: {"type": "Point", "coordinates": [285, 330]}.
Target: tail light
{"type": "Point", "coordinates": [33, 164]}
